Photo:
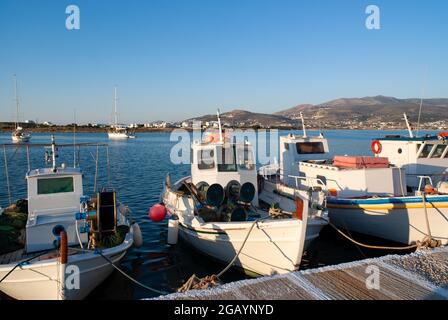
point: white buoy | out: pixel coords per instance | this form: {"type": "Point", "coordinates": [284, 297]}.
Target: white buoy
{"type": "Point", "coordinates": [138, 238]}
{"type": "Point", "coordinates": [173, 231]}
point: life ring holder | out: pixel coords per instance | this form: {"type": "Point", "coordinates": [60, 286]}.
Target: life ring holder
{"type": "Point", "coordinates": [376, 147]}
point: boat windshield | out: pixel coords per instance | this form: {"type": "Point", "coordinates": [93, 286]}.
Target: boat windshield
{"type": "Point", "coordinates": [245, 159]}
{"type": "Point", "coordinates": [227, 159]}
{"type": "Point", "coordinates": [206, 159]}
{"type": "Point", "coordinates": [310, 147]}
{"type": "Point", "coordinates": [55, 185]}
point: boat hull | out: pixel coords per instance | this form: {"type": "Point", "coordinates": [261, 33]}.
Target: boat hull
{"type": "Point", "coordinates": [16, 139]}
{"type": "Point", "coordinates": [40, 280]}
{"type": "Point", "coordinates": [400, 219]}
{"type": "Point", "coordinates": [118, 136]}
{"type": "Point", "coordinates": [272, 247]}
{"type": "Point", "coordinates": [283, 195]}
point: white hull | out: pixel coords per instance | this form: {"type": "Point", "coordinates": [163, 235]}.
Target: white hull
{"type": "Point", "coordinates": [17, 139]}
{"type": "Point", "coordinates": [40, 280]}
{"type": "Point", "coordinates": [268, 195]}
{"type": "Point", "coordinates": [118, 136]}
{"type": "Point", "coordinates": [273, 246]}
{"type": "Point", "coordinates": [404, 223]}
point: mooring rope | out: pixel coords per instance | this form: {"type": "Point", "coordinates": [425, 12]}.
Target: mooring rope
{"type": "Point", "coordinates": [426, 242]}
{"type": "Point", "coordinates": [128, 276]}
{"type": "Point", "coordinates": [203, 283]}
{"type": "Point", "coordinates": [21, 263]}
{"type": "Point", "coordinates": [7, 175]}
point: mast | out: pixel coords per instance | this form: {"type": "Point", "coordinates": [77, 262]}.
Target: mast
{"type": "Point", "coordinates": [16, 100]}
{"type": "Point", "coordinates": [303, 125]}
{"type": "Point", "coordinates": [115, 106]}
{"type": "Point", "coordinates": [411, 134]}
{"type": "Point", "coordinates": [219, 126]}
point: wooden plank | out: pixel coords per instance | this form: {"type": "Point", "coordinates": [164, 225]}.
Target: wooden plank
{"type": "Point", "coordinates": [419, 276]}
{"type": "Point", "coordinates": [272, 289]}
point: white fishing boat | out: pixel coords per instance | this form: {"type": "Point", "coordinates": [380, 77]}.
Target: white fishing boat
{"type": "Point", "coordinates": [118, 131]}
{"type": "Point", "coordinates": [370, 195]}
{"type": "Point", "coordinates": [70, 240]}
{"type": "Point", "coordinates": [18, 135]}
{"type": "Point", "coordinates": [417, 156]}
{"type": "Point", "coordinates": [218, 211]}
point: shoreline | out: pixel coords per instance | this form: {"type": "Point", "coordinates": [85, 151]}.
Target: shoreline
{"type": "Point", "coordinates": [169, 130]}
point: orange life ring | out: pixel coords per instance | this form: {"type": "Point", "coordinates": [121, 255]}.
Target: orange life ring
{"type": "Point", "coordinates": [376, 147]}
{"type": "Point", "coordinates": [443, 134]}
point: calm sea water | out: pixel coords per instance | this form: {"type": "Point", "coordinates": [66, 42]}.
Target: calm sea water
{"type": "Point", "coordinates": [137, 170]}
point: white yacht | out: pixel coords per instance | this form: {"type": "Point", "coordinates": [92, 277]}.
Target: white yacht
{"type": "Point", "coordinates": [219, 212]}
{"type": "Point", "coordinates": [118, 131]}
{"type": "Point", "coordinates": [68, 238]}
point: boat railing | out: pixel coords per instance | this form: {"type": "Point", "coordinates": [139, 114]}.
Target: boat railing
{"type": "Point", "coordinates": [311, 182]}
{"type": "Point", "coordinates": [420, 183]}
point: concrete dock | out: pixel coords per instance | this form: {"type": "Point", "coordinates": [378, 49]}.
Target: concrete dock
{"type": "Point", "coordinates": [421, 275]}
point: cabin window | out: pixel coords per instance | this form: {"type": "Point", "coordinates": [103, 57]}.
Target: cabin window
{"type": "Point", "coordinates": [227, 159]}
{"type": "Point", "coordinates": [206, 159]}
{"type": "Point", "coordinates": [426, 150]}
{"type": "Point", "coordinates": [55, 185]}
{"type": "Point", "coordinates": [310, 147]}
{"type": "Point", "coordinates": [245, 159]}
{"type": "Point", "coordinates": [439, 151]}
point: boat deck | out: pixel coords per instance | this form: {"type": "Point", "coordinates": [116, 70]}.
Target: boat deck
{"type": "Point", "coordinates": [418, 276]}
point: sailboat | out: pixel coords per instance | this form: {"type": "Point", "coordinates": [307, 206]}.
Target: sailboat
{"type": "Point", "coordinates": [118, 131]}
{"type": "Point", "coordinates": [18, 135]}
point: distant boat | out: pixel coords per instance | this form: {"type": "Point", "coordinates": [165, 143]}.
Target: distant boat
{"type": "Point", "coordinates": [118, 131]}
{"type": "Point", "coordinates": [18, 135]}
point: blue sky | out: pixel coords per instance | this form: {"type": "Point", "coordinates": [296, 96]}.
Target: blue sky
{"type": "Point", "coordinates": [174, 59]}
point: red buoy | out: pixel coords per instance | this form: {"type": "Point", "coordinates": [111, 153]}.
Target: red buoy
{"type": "Point", "coordinates": [157, 212]}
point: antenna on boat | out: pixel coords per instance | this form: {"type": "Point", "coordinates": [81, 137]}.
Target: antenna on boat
{"type": "Point", "coordinates": [303, 125]}
{"type": "Point", "coordinates": [53, 153]}
{"type": "Point", "coordinates": [74, 138]}
{"type": "Point", "coordinates": [411, 134]}
{"type": "Point", "coordinates": [421, 102]}
{"type": "Point", "coordinates": [219, 126]}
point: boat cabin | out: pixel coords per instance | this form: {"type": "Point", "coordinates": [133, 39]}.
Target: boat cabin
{"type": "Point", "coordinates": [224, 163]}
{"type": "Point", "coordinates": [419, 156]}
{"type": "Point", "coordinates": [53, 200]}
{"type": "Point", "coordinates": [349, 176]}
{"type": "Point", "coordinates": [294, 149]}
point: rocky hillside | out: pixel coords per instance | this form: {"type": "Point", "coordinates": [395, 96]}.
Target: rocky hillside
{"type": "Point", "coordinates": [242, 118]}
{"type": "Point", "coordinates": [371, 109]}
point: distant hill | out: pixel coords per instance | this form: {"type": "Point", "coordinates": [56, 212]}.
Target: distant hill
{"type": "Point", "coordinates": [241, 118]}
{"type": "Point", "coordinates": [379, 112]}
{"type": "Point", "coordinates": [372, 109]}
